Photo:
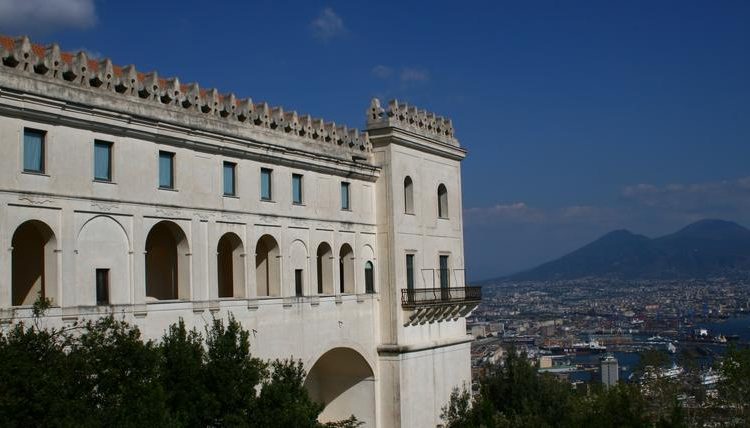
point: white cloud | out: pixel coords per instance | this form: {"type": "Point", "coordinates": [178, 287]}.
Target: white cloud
{"type": "Point", "coordinates": [327, 25]}
{"type": "Point", "coordinates": [409, 74]}
{"type": "Point", "coordinates": [382, 71]}
{"type": "Point", "coordinates": [44, 16]}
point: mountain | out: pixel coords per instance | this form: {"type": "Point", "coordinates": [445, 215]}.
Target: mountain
{"type": "Point", "coordinates": [702, 249]}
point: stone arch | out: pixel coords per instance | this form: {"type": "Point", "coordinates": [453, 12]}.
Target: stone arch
{"type": "Point", "coordinates": [408, 195]}
{"type": "Point", "coordinates": [343, 381]}
{"type": "Point", "coordinates": [346, 269]}
{"type": "Point", "coordinates": [167, 263]}
{"type": "Point", "coordinates": [298, 262]}
{"type": "Point", "coordinates": [230, 266]}
{"type": "Point", "coordinates": [103, 246]}
{"type": "Point", "coordinates": [442, 198]}
{"type": "Point", "coordinates": [34, 263]}
{"type": "Point", "coordinates": [268, 267]}
{"type": "Point", "coordinates": [324, 263]}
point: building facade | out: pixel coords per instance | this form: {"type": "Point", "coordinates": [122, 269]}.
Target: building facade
{"type": "Point", "coordinates": [129, 194]}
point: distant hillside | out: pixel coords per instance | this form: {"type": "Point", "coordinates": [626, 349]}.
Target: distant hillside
{"type": "Point", "coordinates": [702, 249]}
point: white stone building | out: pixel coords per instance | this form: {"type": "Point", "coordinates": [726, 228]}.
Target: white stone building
{"type": "Point", "coordinates": [125, 193]}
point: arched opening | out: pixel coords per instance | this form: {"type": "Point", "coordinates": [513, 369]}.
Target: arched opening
{"type": "Point", "coordinates": [103, 263]}
{"type": "Point", "coordinates": [369, 278]}
{"type": "Point", "coordinates": [34, 264]}
{"type": "Point", "coordinates": [298, 263]}
{"type": "Point", "coordinates": [267, 264]}
{"type": "Point", "coordinates": [167, 269]}
{"type": "Point", "coordinates": [442, 194]}
{"type": "Point", "coordinates": [408, 195]}
{"type": "Point", "coordinates": [324, 261]}
{"type": "Point", "coordinates": [230, 266]}
{"type": "Point", "coordinates": [343, 382]}
{"type": "Point", "coordinates": [346, 269]}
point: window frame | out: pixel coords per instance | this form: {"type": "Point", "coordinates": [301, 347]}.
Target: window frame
{"type": "Point", "coordinates": [110, 161]}
{"type": "Point", "coordinates": [410, 269]}
{"type": "Point", "coordinates": [106, 301]}
{"type": "Point", "coordinates": [42, 156]}
{"type": "Point", "coordinates": [301, 179]}
{"type": "Point", "coordinates": [233, 166]}
{"type": "Point", "coordinates": [172, 174]}
{"type": "Point", "coordinates": [408, 195]}
{"type": "Point", "coordinates": [442, 202]}
{"type": "Point", "coordinates": [345, 185]}
{"type": "Point", "coordinates": [269, 172]}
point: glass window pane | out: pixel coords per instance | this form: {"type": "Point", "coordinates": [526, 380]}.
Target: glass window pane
{"type": "Point", "coordinates": [102, 161]}
{"type": "Point", "coordinates": [229, 189]}
{"type": "Point", "coordinates": [33, 151]}
{"type": "Point", "coordinates": [410, 271]}
{"type": "Point", "coordinates": [166, 175]}
{"type": "Point", "coordinates": [444, 272]}
{"type": "Point", "coordinates": [296, 188]}
{"type": "Point", "coordinates": [345, 196]}
{"type": "Point", "coordinates": [265, 184]}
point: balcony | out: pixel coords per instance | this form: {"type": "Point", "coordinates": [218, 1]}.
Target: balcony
{"type": "Point", "coordinates": [428, 305]}
{"type": "Point", "coordinates": [421, 297]}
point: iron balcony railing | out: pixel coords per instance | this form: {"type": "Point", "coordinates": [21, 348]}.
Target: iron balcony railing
{"type": "Point", "coordinates": [413, 297]}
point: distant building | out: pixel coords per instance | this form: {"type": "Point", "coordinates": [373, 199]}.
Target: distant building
{"type": "Point", "coordinates": [610, 370]}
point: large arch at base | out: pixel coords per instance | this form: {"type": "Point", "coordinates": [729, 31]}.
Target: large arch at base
{"type": "Point", "coordinates": [343, 381]}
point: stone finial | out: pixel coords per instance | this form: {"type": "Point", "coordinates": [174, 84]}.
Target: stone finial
{"type": "Point", "coordinates": [245, 109]}
{"type": "Point", "coordinates": [331, 134]}
{"type": "Point", "coordinates": [77, 70]}
{"type": "Point", "coordinates": [128, 81]}
{"type": "Point", "coordinates": [51, 64]}
{"type": "Point", "coordinates": [376, 111]}
{"type": "Point", "coordinates": [210, 102]}
{"type": "Point", "coordinates": [277, 118]}
{"type": "Point", "coordinates": [148, 88]}
{"type": "Point", "coordinates": [228, 106]}
{"type": "Point", "coordinates": [171, 92]}
{"type": "Point", "coordinates": [291, 123]}
{"type": "Point", "coordinates": [262, 115]}
{"type": "Point", "coordinates": [319, 130]}
{"type": "Point", "coordinates": [104, 76]}
{"type": "Point", "coordinates": [22, 55]}
{"type": "Point", "coordinates": [192, 96]}
{"type": "Point", "coordinates": [305, 126]}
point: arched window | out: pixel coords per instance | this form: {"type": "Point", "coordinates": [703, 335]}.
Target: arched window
{"type": "Point", "coordinates": [267, 275]}
{"type": "Point", "coordinates": [369, 278]}
{"type": "Point", "coordinates": [167, 272]}
{"type": "Point", "coordinates": [34, 264]}
{"type": "Point", "coordinates": [346, 269]}
{"type": "Point", "coordinates": [442, 194]}
{"type": "Point", "coordinates": [231, 268]}
{"type": "Point", "coordinates": [325, 268]}
{"type": "Point", "coordinates": [408, 195]}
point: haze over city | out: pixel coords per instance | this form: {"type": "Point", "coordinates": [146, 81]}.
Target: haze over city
{"type": "Point", "coordinates": [579, 118]}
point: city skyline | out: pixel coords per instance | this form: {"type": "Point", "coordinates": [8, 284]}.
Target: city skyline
{"type": "Point", "coordinates": [579, 119]}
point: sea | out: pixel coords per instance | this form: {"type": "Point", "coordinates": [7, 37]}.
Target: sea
{"type": "Point", "coordinates": [628, 361]}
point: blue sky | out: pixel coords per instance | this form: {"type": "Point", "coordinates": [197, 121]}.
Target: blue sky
{"type": "Point", "coordinates": [579, 117]}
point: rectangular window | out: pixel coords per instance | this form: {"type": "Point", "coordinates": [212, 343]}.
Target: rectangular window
{"type": "Point", "coordinates": [166, 170]}
{"type": "Point", "coordinates": [102, 160]}
{"type": "Point", "coordinates": [33, 151]}
{"type": "Point", "coordinates": [265, 184]}
{"type": "Point", "coordinates": [297, 189]}
{"type": "Point", "coordinates": [410, 271]}
{"type": "Point", "coordinates": [345, 202]}
{"type": "Point", "coordinates": [102, 287]}
{"type": "Point", "coordinates": [298, 282]}
{"type": "Point", "coordinates": [444, 272]}
{"type": "Point", "coordinates": [229, 179]}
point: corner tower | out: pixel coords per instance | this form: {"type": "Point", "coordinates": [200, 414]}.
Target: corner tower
{"type": "Point", "coordinates": [424, 350]}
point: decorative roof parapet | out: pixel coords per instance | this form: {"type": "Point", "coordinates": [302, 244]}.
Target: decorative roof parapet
{"type": "Point", "coordinates": [78, 70]}
{"type": "Point", "coordinates": [401, 115]}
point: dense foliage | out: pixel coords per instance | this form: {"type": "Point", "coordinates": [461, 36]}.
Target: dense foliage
{"type": "Point", "coordinates": [104, 374]}
{"type": "Point", "coordinates": [514, 394]}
